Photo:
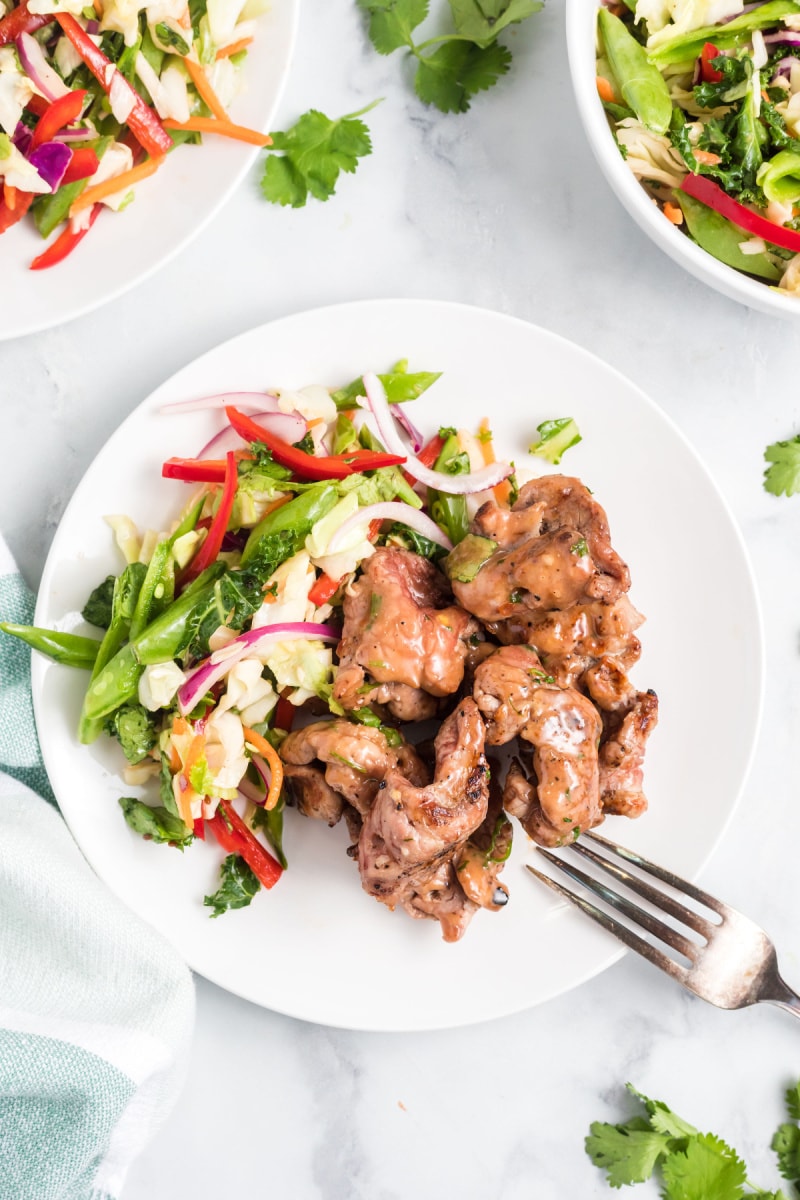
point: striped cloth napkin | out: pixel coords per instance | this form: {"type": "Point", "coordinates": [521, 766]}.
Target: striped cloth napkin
{"type": "Point", "coordinates": [96, 1009]}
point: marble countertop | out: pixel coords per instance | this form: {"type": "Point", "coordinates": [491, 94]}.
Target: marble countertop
{"type": "Point", "coordinates": [502, 208]}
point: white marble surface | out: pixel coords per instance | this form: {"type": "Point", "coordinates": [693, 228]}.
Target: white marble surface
{"type": "Point", "coordinates": [503, 208]}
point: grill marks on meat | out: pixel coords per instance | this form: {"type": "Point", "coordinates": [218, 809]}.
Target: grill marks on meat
{"type": "Point", "coordinates": [412, 834]}
{"type": "Point", "coordinates": [554, 551]}
{"type": "Point", "coordinates": [563, 728]}
{"type": "Point", "coordinates": [404, 641]}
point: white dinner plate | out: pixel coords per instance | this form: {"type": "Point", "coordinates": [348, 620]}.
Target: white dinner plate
{"type": "Point", "coordinates": [316, 946]}
{"type": "Point", "coordinates": [170, 209]}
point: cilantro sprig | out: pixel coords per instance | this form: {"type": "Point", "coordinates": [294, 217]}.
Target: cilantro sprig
{"type": "Point", "coordinates": [782, 476]}
{"type": "Point", "coordinates": [692, 1165]}
{"type": "Point", "coordinates": [455, 66]}
{"type": "Point", "coordinates": [312, 154]}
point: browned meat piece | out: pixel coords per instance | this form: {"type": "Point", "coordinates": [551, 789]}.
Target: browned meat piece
{"type": "Point", "coordinates": [554, 551]}
{"type": "Point", "coordinates": [629, 717]}
{"type": "Point", "coordinates": [409, 837]}
{"type": "Point", "coordinates": [479, 863]}
{"type": "Point", "coordinates": [570, 640]}
{"type": "Point", "coordinates": [404, 641]}
{"type": "Point", "coordinates": [354, 759]}
{"type": "Point", "coordinates": [517, 697]}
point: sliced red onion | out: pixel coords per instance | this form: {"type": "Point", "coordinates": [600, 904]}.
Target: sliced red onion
{"type": "Point", "coordinates": [250, 791]}
{"type": "Point", "coordinates": [393, 510]}
{"type": "Point", "coordinates": [786, 37]}
{"type": "Point", "coordinates": [784, 66]}
{"type": "Point", "coordinates": [22, 138]}
{"type": "Point", "coordinates": [289, 427]}
{"type": "Point", "coordinates": [38, 69]}
{"type": "Point", "coordinates": [408, 427]}
{"type": "Point", "coordinates": [263, 771]}
{"type": "Point", "coordinates": [217, 665]}
{"type": "Point", "coordinates": [92, 27]}
{"type": "Point", "coordinates": [740, 12]}
{"type": "Point", "coordinates": [246, 401]}
{"type": "Point", "coordinates": [76, 135]}
{"type": "Point", "coordinates": [51, 161]}
{"type": "Point", "coordinates": [455, 485]}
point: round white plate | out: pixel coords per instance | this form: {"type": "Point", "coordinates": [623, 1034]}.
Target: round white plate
{"type": "Point", "coordinates": [316, 946]}
{"type": "Point", "coordinates": [170, 209]}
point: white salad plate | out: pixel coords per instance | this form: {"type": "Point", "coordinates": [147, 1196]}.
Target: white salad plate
{"type": "Point", "coordinates": [170, 209]}
{"type": "Point", "coordinates": [316, 946]}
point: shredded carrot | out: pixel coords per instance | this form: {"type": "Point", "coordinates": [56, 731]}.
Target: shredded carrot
{"type": "Point", "coordinates": [225, 128]}
{"type": "Point", "coordinates": [673, 213]}
{"type": "Point", "coordinates": [234, 48]}
{"type": "Point", "coordinates": [109, 187]}
{"type": "Point", "coordinates": [604, 90]}
{"type": "Point", "coordinates": [503, 490]}
{"type": "Point", "coordinates": [315, 421]}
{"type": "Point", "coordinates": [10, 196]}
{"type": "Point", "coordinates": [706, 156]}
{"type": "Point", "coordinates": [204, 89]}
{"type": "Point", "coordinates": [349, 413]}
{"type": "Point", "coordinates": [764, 96]}
{"type": "Point", "coordinates": [261, 744]}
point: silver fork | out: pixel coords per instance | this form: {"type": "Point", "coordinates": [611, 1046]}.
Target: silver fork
{"type": "Point", "coordinates": [733, 967]}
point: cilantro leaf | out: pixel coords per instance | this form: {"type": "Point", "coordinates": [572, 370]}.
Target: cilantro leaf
{"type": "Point", "coordinates": [238, 885]}
{"type": "Point", "coordinates": [450, 76]}
{"type": "Point", "coordinates": [706, 1170]}
{"type": "Point", "coordinates": [782, 476]}
{"type": "Point", "coordinates": [786, 1144]}
{"type": "Point", "coordinates": [627, 1153]}
{"type": "Point", "coordinates": [482, 20]}
{"type": "Point", "coordinates": [662, 1117]}
{"type": "Point", "coordinates": [315, 151]}
{"type": "Point", "coordinates": [391, 22]}
{"type": "Point", "coordinates": [793, 1102]}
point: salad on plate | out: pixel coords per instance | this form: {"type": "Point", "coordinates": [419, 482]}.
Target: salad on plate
{"type": "Point", "coordinates": [703, 98]}
{"type": "Point", "coordinates": [369, 625]}
{"type": "Point", "coordinates": [94, 98]}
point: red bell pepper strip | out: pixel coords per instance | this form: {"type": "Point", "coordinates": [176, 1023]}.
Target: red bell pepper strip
{"type": "Point", "coordinates": [707, 72]}
{"type": "Point", "coordinates": [430, 452]}
{"type": "Point", "coordinates": [233, 835]}
{"type": "Point", "coordinates": [143, 121]}
{"type": "Point", "coordinates": [321, 591]}
{"type": "Point", "coordinates": [284, 714]}
{"type": "Point", "coordinates": [309, 466]}
{"type": "Point", "coordinates": [207, 554]}
{"type": "Point", "coordinates": [199, 827]}
{"type": "Point", "coordinates": [709, 193]}
{"type": "Point", "coordinates": [195, 470]}
{"type": "Point", "coordinates": [82, 165]}
{"type": "Point", "coordinates": [61, 112]}
{"type": "Point", "coordinates": [65, 243]}
{"type": "Point", "coordinates": [19, 20]}
{"type": "Point", "coordinates": [10, 216]}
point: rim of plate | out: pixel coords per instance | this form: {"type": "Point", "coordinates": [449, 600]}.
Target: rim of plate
{"type": "Point", "coordinates": [615, 950]}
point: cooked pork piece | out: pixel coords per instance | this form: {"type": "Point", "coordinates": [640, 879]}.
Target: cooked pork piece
{"type": "Point", "coordinates": [554, 551]}
{"type": "Point", "coordinates": [518, 698]}
{"type": "Point", "coordinates": [629, 717]}
{"type": "Point", "coordinates": [338, 759]}
{"type": "Point", "coordinates": [411, 834]}
{"type": "Point", "coordinates": [404, 641]}
{"type": "Point", "coordinates": [479, 863]}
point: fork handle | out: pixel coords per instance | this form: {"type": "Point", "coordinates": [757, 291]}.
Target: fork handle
{"type": "Point", "coordinates": [785, 998]}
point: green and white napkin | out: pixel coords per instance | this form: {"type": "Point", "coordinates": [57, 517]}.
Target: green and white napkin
{"type": "Point", "coordinates": [96, 1009]}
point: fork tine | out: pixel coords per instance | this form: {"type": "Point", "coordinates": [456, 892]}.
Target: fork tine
{"type": "Point", "coordinates": [660, 899]}
{"type": "Point", "coordinates": [651, 868]}
{"type": "Point", "coordinates": [646, 920]}
{"type": "Point", "coordinates": [620, 931]}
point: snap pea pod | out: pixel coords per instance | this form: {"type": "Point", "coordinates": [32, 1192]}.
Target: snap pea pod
{"type": "Point", "coordinates": [123, 603]}
{"type": "Point", "coordinates": [296, 518]}
{"type": "Point", "coordinates": [641, 85]}
{"type": "Point", "coordinates": [448, 511]}
{"type": "Point", "coordinates": [70, 649]}
{"type": "Point", "coordinates": [163, 640]}
{"type": "Point", "coordinates": [780, 177]}
{"type": "Point", "coordinates": [157, 589]}
{"type": "Point", "coordinates": [399, 386]}
{"type": "Point", "coordinates": [686, 47]}
{"type": "Point", "coordinates": [719, 237]}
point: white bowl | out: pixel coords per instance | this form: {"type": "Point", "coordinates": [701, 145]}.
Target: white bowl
{"type": "Point", "coordinates": [581, 24]}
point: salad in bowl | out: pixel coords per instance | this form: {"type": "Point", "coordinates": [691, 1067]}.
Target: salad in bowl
{"type": "Point", "coordinates": [693, 109]}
